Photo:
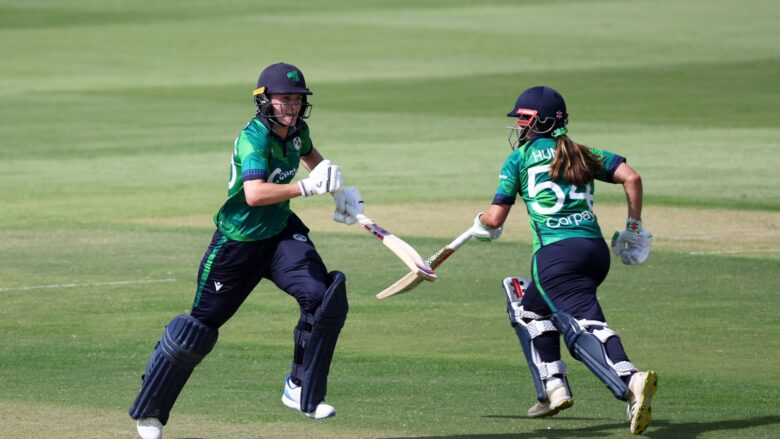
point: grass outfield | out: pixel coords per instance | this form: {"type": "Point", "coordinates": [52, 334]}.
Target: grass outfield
{"type": "Point", "coordinates": [116, 124]}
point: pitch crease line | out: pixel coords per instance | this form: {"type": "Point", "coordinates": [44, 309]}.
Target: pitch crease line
{"type": "Point", "coordinates": [96, 284]}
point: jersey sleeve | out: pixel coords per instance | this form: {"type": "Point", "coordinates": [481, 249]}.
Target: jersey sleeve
{"type": "Point", "coordinates": [253, 157]}
{"type": "Point", "coordinates": [508, 181]}
{"type": "Point", "coordinates": [609, 164]}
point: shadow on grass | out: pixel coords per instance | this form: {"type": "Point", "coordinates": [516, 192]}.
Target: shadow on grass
{"type": "Point", "coordinates": [658, 429]}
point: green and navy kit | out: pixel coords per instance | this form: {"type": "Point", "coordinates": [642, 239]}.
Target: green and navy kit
{"type": "Point", "coordinates": [557, 209]}
{"type": "Point", "coordinates": [260, 154]}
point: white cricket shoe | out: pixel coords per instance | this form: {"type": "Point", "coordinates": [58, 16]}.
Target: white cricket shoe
{"type": "Point", "coordinates": [149, 428]}
{"type": "Point", "coordinates": [292, 398]}
{"type": "Point", "coordinates": [558, 398]}
{"type": "Point", "coordinates": [641, 389]}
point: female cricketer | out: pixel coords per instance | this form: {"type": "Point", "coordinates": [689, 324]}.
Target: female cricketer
{"type": "Point", "coordinates": [555, 176]}
{"type": "Point", "coordinates": [258, 237]}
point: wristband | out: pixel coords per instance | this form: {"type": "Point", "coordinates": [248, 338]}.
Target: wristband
{"type": "Point", "coordinates": [633, 224]}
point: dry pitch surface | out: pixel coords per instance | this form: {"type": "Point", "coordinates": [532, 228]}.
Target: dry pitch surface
{"type": "Point", "coordinates": [694, 231]}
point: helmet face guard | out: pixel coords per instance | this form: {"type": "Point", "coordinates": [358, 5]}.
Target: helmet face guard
{"type": "Point", "coordinates": [264, 107]}
{"type": "Point", "coordinates": [526, 121]}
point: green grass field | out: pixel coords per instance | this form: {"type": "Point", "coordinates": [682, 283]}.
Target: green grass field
{"type": "Point", "coordinates": [117, 119]}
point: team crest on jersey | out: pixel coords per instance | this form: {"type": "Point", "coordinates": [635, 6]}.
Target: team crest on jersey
{"type": "Point", "coordinates": [297, 143]}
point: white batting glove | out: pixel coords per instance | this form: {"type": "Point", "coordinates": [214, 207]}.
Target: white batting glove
{"type": "Point", "coordinates": [324, 178]}
{"type": "Point", "coordinates": [348, 197]}
{"type": "Point", "coordinates": [632, 244]}
{"type": "Point", "coordinates": [482, 233]}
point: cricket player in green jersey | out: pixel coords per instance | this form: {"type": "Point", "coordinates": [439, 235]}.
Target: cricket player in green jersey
{"type": "Point", "coordinates": [554, 177]}
{"type": "Point", "coordinates": [258, 237]}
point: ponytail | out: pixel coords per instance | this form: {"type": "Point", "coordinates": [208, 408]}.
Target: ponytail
{"type": "Point", "coordinates": [573, 162]}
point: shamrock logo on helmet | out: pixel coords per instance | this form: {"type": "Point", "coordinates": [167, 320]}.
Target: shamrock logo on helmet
{"type": "Point", "coordinates": [294, 76]}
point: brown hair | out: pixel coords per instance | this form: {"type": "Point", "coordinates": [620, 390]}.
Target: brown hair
{"type": "Point", "coordinates": [574, 162]}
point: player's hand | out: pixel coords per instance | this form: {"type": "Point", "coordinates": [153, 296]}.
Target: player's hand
{"type": "Point", "coordinates": [482, 233]}
{"type": "Point", "coordinates": [324, 178]}
{"type": "Point", "coordinates": [348, 197]}
{"type": "Point", "coordinates": [632, 244]}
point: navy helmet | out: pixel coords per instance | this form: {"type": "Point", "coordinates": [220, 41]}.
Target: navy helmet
{"type": "Point", "coordinates": [280, 78]}
{"type": "Point", "coordinates": [540, 111]}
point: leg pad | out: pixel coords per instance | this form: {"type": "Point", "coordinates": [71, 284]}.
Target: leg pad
{"type": "Point", "coordinates": [315, 338]}
{"type": "Point", "coordinates": [184, 343]}
{"type": "Point", "coordinates": [589, 349]}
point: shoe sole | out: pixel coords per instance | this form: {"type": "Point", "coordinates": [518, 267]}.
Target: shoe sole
{"type": "Point", "coordinates": [563, 405]}
{"type": "Point", "coordinates": [290, 403]}
{"type": "Point", "coordinates": [644, 415]}
{"type": "Point", "coordinates": [314, 418]}
{"type": "Point", "coordinates": [295, 406]}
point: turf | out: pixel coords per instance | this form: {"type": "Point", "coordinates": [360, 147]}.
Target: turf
{"type": "Point", "coordinates": [116, 123]}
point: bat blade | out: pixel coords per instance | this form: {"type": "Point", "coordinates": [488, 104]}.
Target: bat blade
{"type": "Point", "coordinates": [413, 279]}
{"type": "Point", "coordinates": [406, 283]}
{"type": "Point", "coordinates": [398, 246]}
{"type": "Point", "coordinates": [410, 257]}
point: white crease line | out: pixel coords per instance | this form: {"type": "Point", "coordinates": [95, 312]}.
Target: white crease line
{"type": "Point", "coordinates": [98, 284]}
{"type": "Point", "coordinates": [722, 252]}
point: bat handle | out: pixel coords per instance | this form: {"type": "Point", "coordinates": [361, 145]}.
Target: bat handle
{"type": "Point", "coordinates": [357, 215]}
{"type": "Point", "coordinates": [460, 240]}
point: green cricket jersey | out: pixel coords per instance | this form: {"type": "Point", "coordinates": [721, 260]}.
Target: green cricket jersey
{"type": "Point", "coordinates": [260, 154]}
{"type": "Point", "coordinates": [557, 210]}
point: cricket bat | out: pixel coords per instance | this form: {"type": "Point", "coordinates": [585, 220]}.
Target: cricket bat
{"type": "Point", "coordinates": [412, 279]}
{"type": "Point", "coordinates": [398, 246]}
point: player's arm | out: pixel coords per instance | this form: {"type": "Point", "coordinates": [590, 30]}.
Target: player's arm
{"type": "Point", "coordinates": [323, 178]}
{"type": "Point", "coordinates": [261, 193]}
{"type": "Point", "coordinates": [312, 159]}
{"type": "Point", "coordinates": [632, 244]}
{"type": "Point", "coordinates": [488, 224]}
{"type": "Point", "coordinates": [632, 185]}
{"type": "Point", "coordinates": [495, 215]}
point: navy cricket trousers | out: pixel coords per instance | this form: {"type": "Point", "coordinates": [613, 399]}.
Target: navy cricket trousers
{"type": "Point", "coordinates": [230, 270]}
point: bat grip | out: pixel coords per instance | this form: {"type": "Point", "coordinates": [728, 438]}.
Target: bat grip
{"type": "Point", "coordinates": [357, 215]}
{"type": "Point", "coordinates": [460, 240]}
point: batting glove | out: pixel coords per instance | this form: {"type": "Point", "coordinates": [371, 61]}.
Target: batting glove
{"type": "Point", "coordinates": [348, 197]}
{"type": "Point", "coordinates": [632, 244]}
{"type": "Point", "coordinates": [324, 178]}
{"type": "Point", "coordinates": [482, 233]}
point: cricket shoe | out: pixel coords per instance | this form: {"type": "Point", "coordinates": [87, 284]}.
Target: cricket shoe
{"type": "Point", "coordinates": [149, 428]}
{"type": "Point", "coordinates": [641, 389]}
{"type": "Point", "coordinates": [558, 398]}
{"type": "Point", "coordinates": [292, 398]}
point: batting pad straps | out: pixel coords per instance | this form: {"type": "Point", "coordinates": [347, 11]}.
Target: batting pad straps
{"type": "Point", "coordinates": [538, 327]}
{"type": "Point", "coordinates": [547, 370]}
{"type": "Point", "coordinates": [624, 368]}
